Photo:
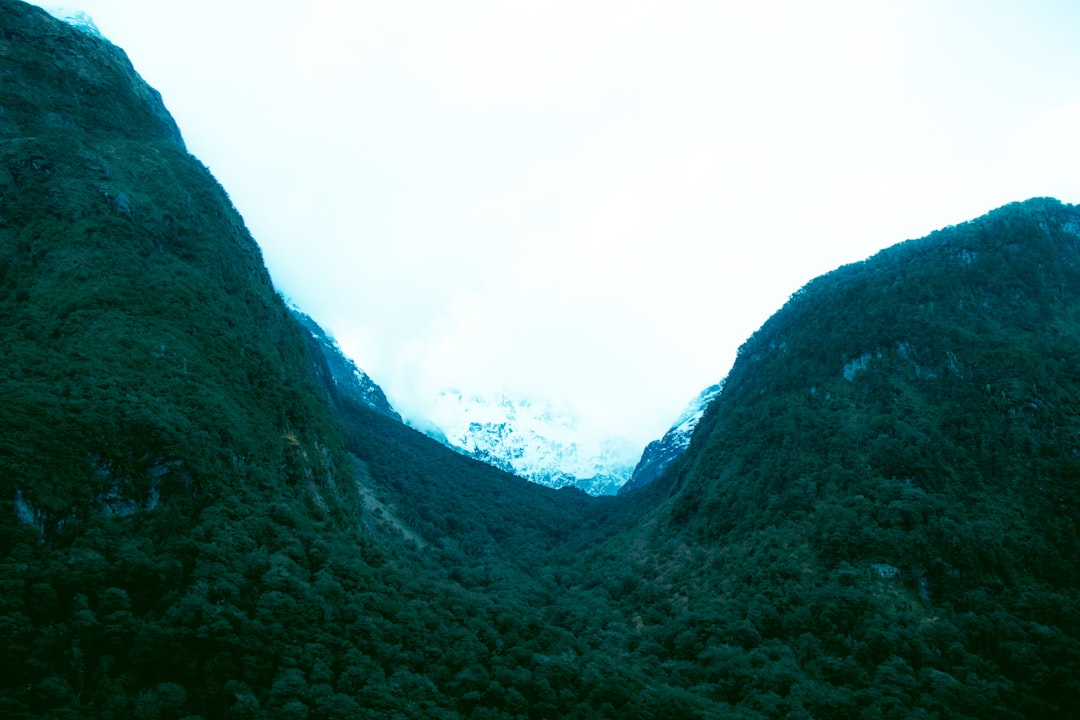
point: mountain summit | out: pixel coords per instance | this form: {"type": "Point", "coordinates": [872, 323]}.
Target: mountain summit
{"type": "Point", "coordinates": [535, 440]}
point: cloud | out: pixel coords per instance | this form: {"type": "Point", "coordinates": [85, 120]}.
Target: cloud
{"type": "Point", "coordinates": [597, 202]}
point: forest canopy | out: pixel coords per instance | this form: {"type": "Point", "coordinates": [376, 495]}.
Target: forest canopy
{"type": "Point", "coordinates": [876, 518]}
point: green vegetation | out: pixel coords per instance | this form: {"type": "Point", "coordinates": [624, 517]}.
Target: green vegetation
{"type": "Point", "coordinates": [897, 450]}
{"type": "Point", "coordinates": [877, 518]}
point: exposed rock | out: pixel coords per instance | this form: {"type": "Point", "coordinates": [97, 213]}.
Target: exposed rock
{"type": "Point", "coordinates": [660, 454]}
{"type": "Point", "coordinates": [350, 381]}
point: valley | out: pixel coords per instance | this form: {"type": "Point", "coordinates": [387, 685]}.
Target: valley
{"type": "Point", "coordinates": [877, 516]}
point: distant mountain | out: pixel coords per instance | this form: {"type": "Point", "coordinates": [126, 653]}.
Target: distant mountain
{"type": "Point", "coordinates": [878, 517]}
{"type": "Point", "coordinates": [534, 440]}
{"type": "Point", "coordinates": [350, 380]}
{"type": "Point", "coordinates": [660, 454]}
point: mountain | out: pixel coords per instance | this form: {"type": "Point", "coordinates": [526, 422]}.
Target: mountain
{"type": "Point", "coordinates": [886, 492]}
{"type": "Point", "coordinates": [196, 518]}
{"type": "Point", "coordinates": [130, 288]}
{"type": "Point", "coordinates": [76, 18]}
{"type": "Point", "coordinates": [350, 380]}
{"type": "Point", "coordinates": [876, 518]}
{"type": "Point", "coordinates": [659, 454]}
{"type": "Point", "coordinates": [535, 440]}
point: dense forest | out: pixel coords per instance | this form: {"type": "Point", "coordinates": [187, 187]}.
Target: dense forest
{"type": "Point", "coordinates": [877, 518]}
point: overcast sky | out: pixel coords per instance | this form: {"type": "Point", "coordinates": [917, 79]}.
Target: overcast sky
{"type": "Point", "coordinates": [597, 202]}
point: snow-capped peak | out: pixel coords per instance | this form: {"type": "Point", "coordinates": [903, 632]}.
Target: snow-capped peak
{"type": "Point", "coordinates": [659, 454]}
{"type": "Point", "coordinates": [538, 440]}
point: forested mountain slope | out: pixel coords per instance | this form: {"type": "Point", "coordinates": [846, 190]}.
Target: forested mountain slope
{"type": "Point", "coordinates": [876, 519]}
{"type": "Point", "coordinates": [887, 493]}
{"type": "Point", "coordinates": [146, 355]}
{"type": "Point", "coordinates": [191, 522]}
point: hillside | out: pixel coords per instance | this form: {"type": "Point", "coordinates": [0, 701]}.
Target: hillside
{"type": "Point", "coordinates": [886, 493]}
{"type": "Point", "coordinates": [877, 518]}
{"type": "Point", "coordinates": [130, 289]}
{"type": "Point", "coordinates": [193, 521]}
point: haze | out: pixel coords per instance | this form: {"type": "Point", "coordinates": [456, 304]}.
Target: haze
{"type": "Point", "coordinates": [596, 203]}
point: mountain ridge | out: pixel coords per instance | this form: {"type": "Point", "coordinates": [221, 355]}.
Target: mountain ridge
{"type": "Point", "coordinates": [537, 440]}
{"type": "Point", "coordinates": [877, 518]}
{"type": "Point", "coordinates": [661, 453]}
{"type": "Point", "coordinates": [900, 428]}
{"type": "Point", "coordinates": [349, 379]}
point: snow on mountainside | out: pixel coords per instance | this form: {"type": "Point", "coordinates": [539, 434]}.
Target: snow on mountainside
{"type": "Point", "coordinates": [534, 440]}
{"type": "Point", "coordinates": [659, 454]}
{"type": "Point", "coordinates": [75, 18]}
{"type": "Point", "coordinates": [538, 441]}
{"type": "Point", "coordinates": [350, 380]}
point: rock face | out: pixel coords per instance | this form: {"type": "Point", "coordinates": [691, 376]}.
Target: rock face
{"type": "Point", "coordinates": [659, 454]}
{"type": "Point", "coordinates": [350, 381]}
{"type": "Point", "coordinates": [533, 440]}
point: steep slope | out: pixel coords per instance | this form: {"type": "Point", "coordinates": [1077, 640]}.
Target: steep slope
{"type": "Point", "coordinates": [660, 454]}
{"type": "Point", "coordinates": [130, 289]}
{"type": "Point", "coordinates": [886, 494]}
{"type": "Point", "coordinates": [60, 79]}
{"type": "Point", "coordinates": [350, 380]}
{"type": "Point", "coordinates": [877, 518]}
{"type": "Point", "coordinates": [195, 519]}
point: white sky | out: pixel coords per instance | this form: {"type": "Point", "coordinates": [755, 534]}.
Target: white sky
{"type": "Point", "coordinates": [597, 202]}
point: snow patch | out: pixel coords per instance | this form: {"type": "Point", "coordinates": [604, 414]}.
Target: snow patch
{"type": "Point", "coordinates": [659, 454]}
{"type": "Point", "coordinates": [78, 19]}
{"type": "Point", "coordinates": [537, 440]}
